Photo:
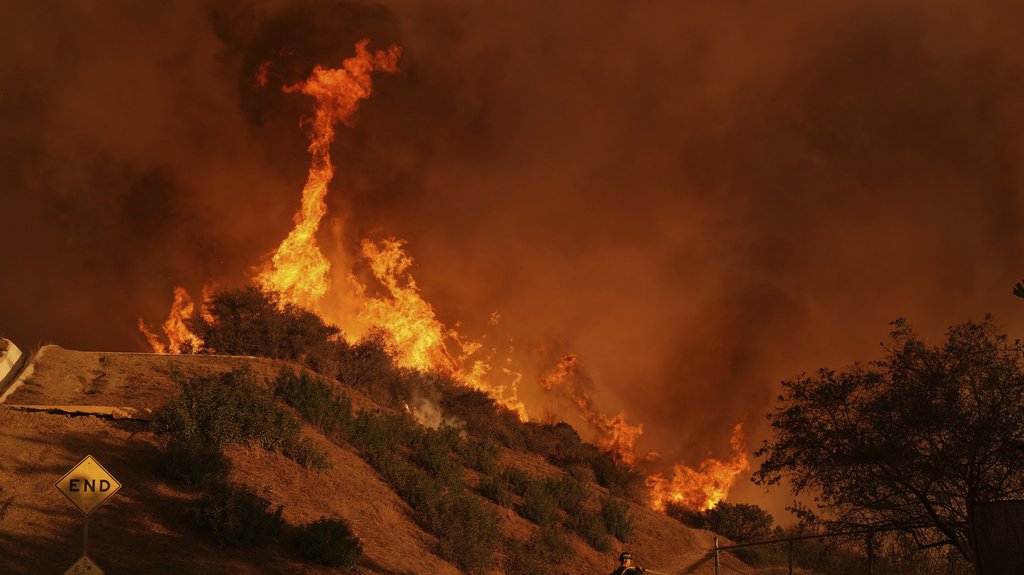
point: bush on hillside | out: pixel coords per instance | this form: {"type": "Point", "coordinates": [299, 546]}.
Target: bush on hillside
{"type": "Point", "coordinates": [740, 522]}
{"type": "Point", "coordinates": [582, 473]}
{"type": "Point", "coordinates": [417, 487]}
{"type": "Point", "coordinates": [620, 479]}
{"type": "Point", "coordinates": [433, 450]}
{"type": "Point", "coordinates": [317, 402]}
{"type": "Point", "coordinates": [546, 548]}
{"type": "Point", "coordinates": [237, 517]}
{"type": "Point", "coordinates": [559, 443]}
{"type": "Point", "coordinates": [305, 454]}
{"type": "Point", "coordinates": [328, 542]}
{"type": "Point", "coordinates": [194, 462]}
{"type": "Point", "coordinates": [375, 433]}
{"type": "Point", "coordinates": [368, 367]}
{"type": "Point", "coordinates": [252, 321]}
{"type": "Point", "coordinates": [616, 519]}
{"type": "Point", "coordinates": [539, 504]}
{"type": "Point", "coordinates": [590, 527]}
{"type": "Point", "coordinates": [686, 516]}
{"type": "Point", "coordinates": [497, 490]}
{"type": "Point", "coordinates": [517, 478]}
{"type": "Point", "coordinates": [480, 455]}
{"type": "Point", "coordinates": [484, 418]}
{"type": "Point", "coordinates": [468, 532]}
{"type": "Point", "coordinates": [569, 494]}
{"type": "Point", "coordinates": [229, 408]}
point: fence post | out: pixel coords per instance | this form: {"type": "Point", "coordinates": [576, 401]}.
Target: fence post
{"type": "Point", "coordinates": [716, 555]}
{"type": "Point", "coordinates": [790, 557]}
{"type": "Point", "coordinates": [871, 553]}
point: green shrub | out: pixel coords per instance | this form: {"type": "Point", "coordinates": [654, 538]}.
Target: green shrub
{"type": "Point", "coordinates": [740, 522]}
{"type": "Point", "coordinates": [484, 418]}
{"type": "Point", "coordinates": [480, 455]}
{"type": "Point", "coordinates": [582, 473]}
{"type": "Point", "coordinates": [467, 532]}
{"type": "Point", "coordinates": [568, 493]}
{"type": "Point", "coordinates": [389, 465]}
{"type": "Point", "coordinates": [616, 519]}
{"type": "Point", "coordinates": [194, 462]}
{"type": "Point", "coordinates": [539, 504]}
{"type": "Point", "coordinates": [466, 529]}
{"type": "Point", "coordinates": [383, 432]}
{"type": "Point", "coordinates": [497, 490]}
{"type": "Point", "coordinates": [231, 408]}
{"type": "Point", "coordinates": [420, 490]}
{"type": "Point", "coordinates": [546, 548]}
{"type": "Point", "coordinates": [328, 542]}
{"type": "Point", "coordinates": [620, 479]}
{"type": "Point", "coordinates": [559, 443]}
{"type": "Point", "coordinates": [368, 366]}
{"type": "Point", "coordinates": [303, 453]}
{"type": "Point", "coordinates": [433, 450]}
{"type": "Point", "coordinates": [318, 402]}
{"type": "Point", "coordinates": [686, 516]}
{"type": "Point", "coordinates": [589, 526]}
{"type": "Point", "coordinates": [251, 321]}
{"type": "Point", "coordinates": [237, 516]}
{"type": "Point", "coordinates": [517, 478]}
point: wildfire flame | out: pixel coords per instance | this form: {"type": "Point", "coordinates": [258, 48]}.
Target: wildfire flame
{"type": "Point", "coordinates": [701, 489]}
{"type": "Point", "coordinates": [298, 269]}
{"type": "Point", "coordinates": [416, 333]}
{"type": "Point", "coordinates": [179, 337]}
{"type": "Point", "coordinates": [614, 434]}
{"type": "Point", "coordinates": [419, 339]}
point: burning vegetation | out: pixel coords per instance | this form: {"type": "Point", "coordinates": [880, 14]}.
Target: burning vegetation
{"type": "Point", "coordinates": [701, 489]}
{"type": "Point", "coordinates": [391, 314]}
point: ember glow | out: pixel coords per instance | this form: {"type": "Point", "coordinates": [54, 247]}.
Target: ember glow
{"type": "Point", "coordinates": [702, 488]}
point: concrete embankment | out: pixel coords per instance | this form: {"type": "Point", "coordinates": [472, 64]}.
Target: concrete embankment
{"type": "Point", "coordinates": [11, 363]}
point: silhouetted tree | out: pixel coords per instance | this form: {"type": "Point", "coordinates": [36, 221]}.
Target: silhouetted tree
{"type": "Point", "coordinates": [918, 438]}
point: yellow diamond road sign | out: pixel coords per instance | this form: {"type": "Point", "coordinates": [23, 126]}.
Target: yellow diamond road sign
{"type": "Point", "coordinates": [84, 566]}
{"type": "Point", "coordinates": [88, 485]}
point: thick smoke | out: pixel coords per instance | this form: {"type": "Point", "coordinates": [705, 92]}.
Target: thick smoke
{"type": "Point", "coordinates": [698, 200]}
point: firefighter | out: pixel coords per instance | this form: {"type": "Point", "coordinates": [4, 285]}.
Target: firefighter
{"type": "Point", "coordinates": [626, 566]}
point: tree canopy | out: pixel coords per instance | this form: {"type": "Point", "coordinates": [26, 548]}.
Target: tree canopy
{"type": "Point", "coordinates": [917, 438]}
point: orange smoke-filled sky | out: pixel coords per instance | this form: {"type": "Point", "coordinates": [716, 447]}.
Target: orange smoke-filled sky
{"type": "Point", "coordinates": [697, 199]}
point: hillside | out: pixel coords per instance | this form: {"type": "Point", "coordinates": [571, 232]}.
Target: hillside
{"type": "Point", "coordinates": [71, 403]}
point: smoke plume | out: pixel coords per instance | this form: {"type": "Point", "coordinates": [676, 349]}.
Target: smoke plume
{"type": "Point", "coordinates": [696, 199]}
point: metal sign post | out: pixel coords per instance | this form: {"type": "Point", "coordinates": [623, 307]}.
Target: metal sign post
{"type": "Point", "coordinates": [716, 555]}
{"type": "Point", "coordinates": [88, 485]}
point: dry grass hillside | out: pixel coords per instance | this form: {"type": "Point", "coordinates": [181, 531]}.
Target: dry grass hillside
{"type": "Point", "coordinates": [77, 403]}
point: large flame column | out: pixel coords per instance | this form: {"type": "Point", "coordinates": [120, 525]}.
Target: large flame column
{"type": "Point", "coordinates": [298, 269]}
